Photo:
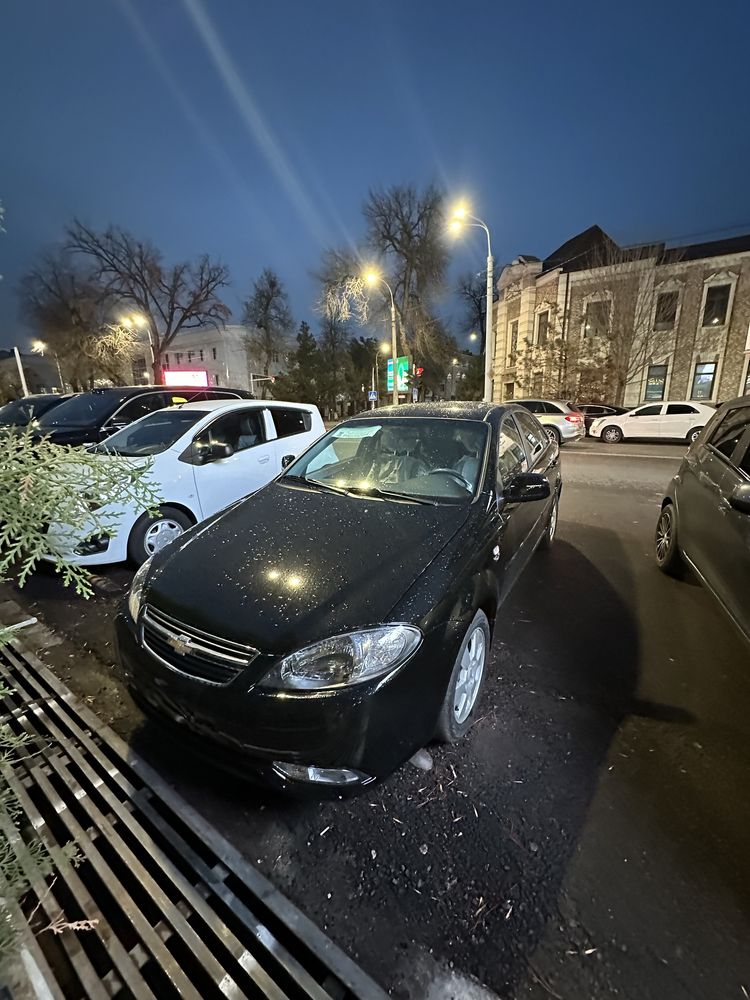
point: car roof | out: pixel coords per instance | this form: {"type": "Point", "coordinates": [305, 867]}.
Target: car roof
{"type": "Point", "coordinates": [455, 409]}
{"type": "Point", "coordinates": [542, 399]}
{"type": "Point", "coordinates": [134, 390]}
{"type": "Point", "coordinates": [228, 404]}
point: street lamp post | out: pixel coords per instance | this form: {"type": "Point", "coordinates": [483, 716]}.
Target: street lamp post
{"type": "Point", "coordinates": [375, 376]}
{"type": "Point", "coordinates": [24, 387]}
{"type": "Point", "coordinates": [461, 218]}
{"type": "Point", "coordinates": [373, 278]}
{"type": "Point", "coordinates": [39, 347]}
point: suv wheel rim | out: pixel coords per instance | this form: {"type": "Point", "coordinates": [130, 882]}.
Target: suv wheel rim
{"type": "Point", "coordinates": [664, 535]}
{"type": "Point", "coordinates": [611, 435]}
{"type": "Point", "coordinates": [552, 434]}
{"type": "Point", "coordinates": [470, 675]}
{"type": "Point", "coordinates": [160, 533]}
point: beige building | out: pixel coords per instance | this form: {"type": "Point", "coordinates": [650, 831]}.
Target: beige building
{"type": "Point", "coordinates": [598, 322]}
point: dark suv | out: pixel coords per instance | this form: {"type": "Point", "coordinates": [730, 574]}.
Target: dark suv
{"type": "Point", "coordinates": [705, 516]}
{"type": "Point", "coordinates": [92, 416]}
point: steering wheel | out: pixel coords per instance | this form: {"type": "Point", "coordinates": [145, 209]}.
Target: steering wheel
{"type": "Point", "coordinates": [456, 475]}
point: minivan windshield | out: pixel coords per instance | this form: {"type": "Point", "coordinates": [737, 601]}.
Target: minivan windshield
{"type": "Point", "coordinates": [435, 458]}
{"type": "Point", "coordinates": [90, 408]}
{"type": "Point", "coordinates": [152, 434]}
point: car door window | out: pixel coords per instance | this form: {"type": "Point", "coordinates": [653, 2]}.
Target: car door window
{"type": "Point", "coordinates": [288, 422]}
{"type": "Point", "coordinates": [240, 430]}
{"type": "Point", "coordinates": [727, 434]}
{"type": "Point", "coordinates": [552, 408]}
{"type": "Point", "coordinates": [533, 434]}
{"type": "Point", "coordinates": [680, 409]}
{"type": "Point", "coordinates": [139, 407]}
{"type": "Point", "coordinates": [511, 457]}
{"type": "Point", "coordinates": [533, 406]}
{"type": "Point", "coordinates": [647, 411]}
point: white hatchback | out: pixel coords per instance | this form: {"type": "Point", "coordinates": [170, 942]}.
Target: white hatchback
{"type": "Point", "coordinates": [203, 457]}
{"type": "Point", "coordinates": [678, 420]}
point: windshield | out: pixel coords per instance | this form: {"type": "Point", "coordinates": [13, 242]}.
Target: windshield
{"type": "Point", "coordinates": [435, 458]}
{"type": "Point", "coordinates": [23, 411]}
{"type": "Point", "coordinates": [152, 434]}
{"type": "Point", "coordinates": [88, 408]}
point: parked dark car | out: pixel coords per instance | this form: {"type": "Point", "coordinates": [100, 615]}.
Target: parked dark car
{"type": "Point", "coordinates": [322, 630]}
{"type": "Point", "coordinates": [92, 416]}
{"type": "Point", "coordinates": [592, 411]}
{"type": "Point", "coordinates": [21, 412]}
{"type": "Point", "coordinates": [705, 516]}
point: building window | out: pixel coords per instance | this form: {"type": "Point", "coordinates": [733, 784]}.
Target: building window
{"type": "Point", "coordinates": [213, 353]}
{"type": "Point", "coordinates": [140, 375]}
{"type": "Point", "coordinates": [275, 358]}
{"type": "Point", "coordinates": [703, 380]}
{"type": "Point", "coordinates": [747, 381]}
{"type": "Point", "coordinates": [717, 303]}
{"type": "Point", "coordinates": [512, 342]}
{"type": "Point", "coordinates": [200, 354]}
{"type": "Point", "coordinates": [166, 361]}
{"type": "Point", "coordinates": [509, 390]}
{"type": "Point", "coordinates": [191, 355]}
{"type": "Point", "coordinates": [542, 328]}
{"type": "Point", "coordinates": [666, 310]}
{"type": "Point", "coordinates": [596, 319]}
{"type": "Point", "coordinates": [656, 381]}
{"type": "Point", "coordinates": [179, 357]}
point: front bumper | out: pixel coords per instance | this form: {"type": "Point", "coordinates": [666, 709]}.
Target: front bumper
{"type": "Point", "coordinates": [369, 728]}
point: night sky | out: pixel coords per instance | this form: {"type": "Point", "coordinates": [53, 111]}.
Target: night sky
{"type": "Point", "coordinates": [253, 131]}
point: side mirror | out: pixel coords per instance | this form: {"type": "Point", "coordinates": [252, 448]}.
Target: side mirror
{"type": "Point", "coordinates": [287, 461]}
{"type": "Point", "coordinates": [527, 486]}
{"type": "Point", "coordinates": [739, 498]}
{"type": "Point", "coordinates": [213, 452]}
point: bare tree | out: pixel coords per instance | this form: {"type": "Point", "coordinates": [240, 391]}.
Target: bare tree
{"type": "Point", "coordinates": [472, 291]}
{"type": "Point", "coordinates": [170, 298]}
{"type": "Point", "coordinates": [269, 321]}
{"type": "Point", "coordinates": [344, 293]}
{"type": "Point", "coordinates": [406, 230]}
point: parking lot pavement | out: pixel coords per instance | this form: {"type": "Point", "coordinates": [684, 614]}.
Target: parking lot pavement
{"type": "Point", "coordinates": [588, 838]}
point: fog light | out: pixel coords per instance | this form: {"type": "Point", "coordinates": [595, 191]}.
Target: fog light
{"type": "Point", "coordinates": [320, 775]}
{"type": "Point", "coordinates": [97, 543]}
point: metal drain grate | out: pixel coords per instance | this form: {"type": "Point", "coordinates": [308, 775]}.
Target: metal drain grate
{"type": "Point", "coordinates": [180, 913]}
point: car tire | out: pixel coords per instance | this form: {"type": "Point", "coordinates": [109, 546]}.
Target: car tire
{"type": "Point", "coordinates": [554, 435]}
{"type": "Point", "coordinates": [667, 552]}
{"type": "Point", "coordinates": [466, 680]}
{"type": "Point", "coordinates": [150, 534]}
{"type": "Point", "coordinates": [551, 530]}
{"type": "Point", "coordinates": [612, 434]}
{"type": "Point", "coordinates": [693, 434]}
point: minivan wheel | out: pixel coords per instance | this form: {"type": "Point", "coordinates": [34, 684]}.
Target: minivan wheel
{"type": "Point", "coordinates": [151, 534]}
{"type": "Point", "coordinates": [693, 434]}
{"type": "Point", "coordinates": [465, 684]}
{"type": "Point", "coordinates": [554, 435]}
{"type": "Point", "coordinates": [612, 434]}
{"type": "Point", "coordinates": [668, 557]}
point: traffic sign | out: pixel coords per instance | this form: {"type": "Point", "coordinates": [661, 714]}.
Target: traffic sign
{"type": "Point", "coordinates": [402, 374]}
{"type": "Point", "coordinates": [372, 395]}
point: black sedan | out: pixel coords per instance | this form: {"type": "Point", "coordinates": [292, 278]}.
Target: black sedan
{"type": "Point", "coordinates": [592, 411]}
{"type": "Point", "coordinates": [704, 522]}
{"type": "Point", "coordinates": [23, 411]}
{"type": "Point", "coordinates": [325, 628]}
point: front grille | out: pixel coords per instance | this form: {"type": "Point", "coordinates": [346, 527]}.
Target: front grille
{"type": "Point", "coordinates": [190, 651]}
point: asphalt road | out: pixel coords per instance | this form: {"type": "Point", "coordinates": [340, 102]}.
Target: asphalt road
{"type": "Point", "coordinates": [589, 839]}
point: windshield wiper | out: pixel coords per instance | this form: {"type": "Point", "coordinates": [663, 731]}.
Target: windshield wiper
{"type": "Point", "coordinates": [389, 495]}
{"type": "Point", "coordinates": [315, 484]}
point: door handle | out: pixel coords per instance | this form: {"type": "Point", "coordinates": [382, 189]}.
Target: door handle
{"type": "Point", "coordinates": [264, 460]}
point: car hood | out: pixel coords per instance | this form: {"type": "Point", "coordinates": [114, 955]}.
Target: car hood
{"type": "Point", "coordinates": [68, 433]}
{"type": "Point", "coordinates": [289, 565]}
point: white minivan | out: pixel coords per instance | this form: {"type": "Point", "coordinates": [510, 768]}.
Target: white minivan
{"type": "Point", "coordinates": [675, 419]}
{"type": "Point", "coordinates": [203, 457]}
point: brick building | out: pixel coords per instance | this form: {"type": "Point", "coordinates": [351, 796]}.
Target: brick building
{"type": "Point", "coordinates": [596, 321]}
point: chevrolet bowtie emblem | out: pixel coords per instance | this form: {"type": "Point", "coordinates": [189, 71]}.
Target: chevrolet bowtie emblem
{"type": "Point", "coordinates": [181, 644]}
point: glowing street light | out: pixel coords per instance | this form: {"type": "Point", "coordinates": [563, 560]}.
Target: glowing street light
{"type": "Point", "coordinates": [373, 278]}
{"type": "Point", "coordinates": [461, 217]}
{"type": "Point", "coordinates": [39, 347]}
{"type": "Point", "coordinates": [472, 336]}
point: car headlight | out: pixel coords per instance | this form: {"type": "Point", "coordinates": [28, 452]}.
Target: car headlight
{"type": "Point", "coordinates": [136, 590]}
{"type": "Point", "coordinates": [346, 659]}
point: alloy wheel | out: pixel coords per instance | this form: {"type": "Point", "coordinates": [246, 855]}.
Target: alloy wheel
{"type": "Point", "coordinates": [470, 675]}
{"type": "Point", "coordinates": [664, 535]}
{"type": "Point", "coordinates": [160, 533]}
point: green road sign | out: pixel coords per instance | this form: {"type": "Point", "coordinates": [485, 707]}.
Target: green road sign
{"type": "Point", "coordinates": [402, 374]}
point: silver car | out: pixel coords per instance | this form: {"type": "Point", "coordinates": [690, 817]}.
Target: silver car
{"type": "Point", "coordinates": [561, 422]}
